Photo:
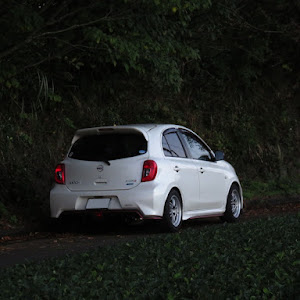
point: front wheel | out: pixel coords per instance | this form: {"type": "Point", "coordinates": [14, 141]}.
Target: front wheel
{"type": "Point", "coordinates": [173, 212]}
{"type": "Point", "coordinates": [233, 205]}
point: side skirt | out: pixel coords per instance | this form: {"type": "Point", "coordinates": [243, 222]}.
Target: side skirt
{"type": "Point", "coordinates": [202, 214]}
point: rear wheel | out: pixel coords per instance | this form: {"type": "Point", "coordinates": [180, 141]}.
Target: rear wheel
{"type": "Point", "coordinates": [173, 212]}
{"type": "Point", "coordinates": [233, 206]}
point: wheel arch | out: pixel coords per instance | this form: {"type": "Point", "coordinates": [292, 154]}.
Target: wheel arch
{"type": "Point", "coordinates": [175, 188]}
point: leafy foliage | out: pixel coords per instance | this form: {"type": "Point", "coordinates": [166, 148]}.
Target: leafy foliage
{"type": "Point", "coordinates": [259, 189]}
{"type": "Point", "coordinates": [221, 261]}
{"type": "Point", "coordinates": [227, 69]}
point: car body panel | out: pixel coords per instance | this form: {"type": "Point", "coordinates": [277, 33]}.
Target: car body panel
{"type": "Point", "coordinates": [98, 176]}
{"type": "Point", "coordinates": [202, 185]}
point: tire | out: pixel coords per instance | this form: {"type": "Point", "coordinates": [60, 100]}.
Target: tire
{"type": "Point", "coordinates": [173, 212]}
{"type": "Point", "coordinates": [233, 205]}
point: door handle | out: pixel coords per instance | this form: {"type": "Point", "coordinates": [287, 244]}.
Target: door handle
{"type": "Point", "coordinates": [201, 170]}
{"type": "Point", "coordinates": [176, 169]}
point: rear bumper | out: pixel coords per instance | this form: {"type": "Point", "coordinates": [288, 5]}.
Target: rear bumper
{"type": "Point", "coordinates": [147, 199]}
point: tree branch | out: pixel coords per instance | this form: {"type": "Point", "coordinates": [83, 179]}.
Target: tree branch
{"type": "Point", "coordinates": [77, 46]}
{"type": "Point", "coordinates": [73, 27]}
{"type": "Point", "coordinates": [70, 14]}
{"type": "Point", "coordinates": [48, 58]}
{"type": "Point", "coordinates": [16, 47]}
{"type": "Point", "coordinates": [34, 36]}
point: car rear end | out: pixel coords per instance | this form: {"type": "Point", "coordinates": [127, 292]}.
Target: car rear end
{"type": "Point", "coordinates": [106, 169]}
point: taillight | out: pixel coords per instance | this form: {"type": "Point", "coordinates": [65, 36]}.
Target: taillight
{"type": "Point", "coordinates": [60, 174]}
{"type": "Point", "coordinates": [149, 170]}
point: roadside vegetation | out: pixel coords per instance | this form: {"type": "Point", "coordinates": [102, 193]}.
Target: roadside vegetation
{"type": "Point", "coordinates": [267, 189]}
{"type": "Point", "coordinates": [227, 69]}
{"type": "Point", "coordinates": [258, 259]}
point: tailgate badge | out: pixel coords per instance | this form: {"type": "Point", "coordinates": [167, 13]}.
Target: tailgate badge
{"type": "Point", "coordinates": [130, 182]}
{"type": "Point", "coordinates": [100, 168]}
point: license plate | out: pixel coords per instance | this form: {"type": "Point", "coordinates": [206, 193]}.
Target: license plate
{"type": "Point", "coordinates": [98, 203]}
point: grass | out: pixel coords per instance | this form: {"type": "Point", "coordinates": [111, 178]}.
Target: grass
{"type": "Point", "coordinates": [258, 259]}
{"type": "Point", "coordinates": [286, 187]}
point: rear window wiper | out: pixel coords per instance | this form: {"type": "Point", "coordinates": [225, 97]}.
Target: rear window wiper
{"type": "Point", "coordinates": [105, 161]}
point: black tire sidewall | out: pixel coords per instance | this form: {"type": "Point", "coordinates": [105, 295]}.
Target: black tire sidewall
{"type": "Point", "coordinates": [228, 215]}
{"type": "Point", "coordinates": [166, 219]}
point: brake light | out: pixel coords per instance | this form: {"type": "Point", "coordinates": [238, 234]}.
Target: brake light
{"type": "Point", "coordinates": [149, 170]}
{"type": "Point", "coordinates": [60, 174]}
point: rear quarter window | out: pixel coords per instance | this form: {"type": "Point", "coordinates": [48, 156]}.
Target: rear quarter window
{"type": "Point", "coordinates": [175, 147]}
{"type": "Point", "coordinates": [108, 146]}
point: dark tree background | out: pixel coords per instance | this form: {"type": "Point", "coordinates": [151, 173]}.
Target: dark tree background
{"type": "Point", "coordinates": [228, 69]}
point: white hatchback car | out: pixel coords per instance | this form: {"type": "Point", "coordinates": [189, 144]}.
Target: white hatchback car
{"type": "Point", "coordinates": [154, 171]}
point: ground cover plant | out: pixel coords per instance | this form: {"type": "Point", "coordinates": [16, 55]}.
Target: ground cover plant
{"type": "Point", "coordinates": [264, 189]}
{"type": "Point", "coordinates": [258, 259]}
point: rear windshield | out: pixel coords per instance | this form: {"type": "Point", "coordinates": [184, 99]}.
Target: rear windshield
{"type": "Point", "coordinates": [108, 146]}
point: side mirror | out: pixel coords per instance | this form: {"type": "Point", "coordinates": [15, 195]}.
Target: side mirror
{"type": "Point", "coordinates": [219, 155]}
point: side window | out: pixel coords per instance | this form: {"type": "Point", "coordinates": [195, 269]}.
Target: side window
{"type": "Point", "coordinates": [197, 149]}
{"type": "Point", "coordinates": [175, 146]}
{"type": "Point", "coordinates": [166, 148]}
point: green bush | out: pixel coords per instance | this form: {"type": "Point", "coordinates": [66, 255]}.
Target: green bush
{"type": "Point", "coordinates": [261, 188]}
{"type": "Point", "coordinates": [258, 259]}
